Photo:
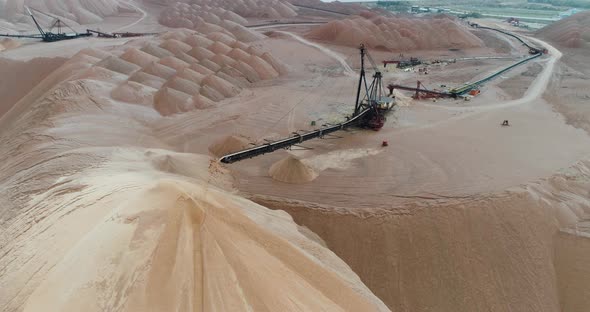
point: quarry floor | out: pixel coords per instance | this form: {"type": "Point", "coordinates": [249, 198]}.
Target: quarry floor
{"type": "Point", "coordinates": [443, 149]}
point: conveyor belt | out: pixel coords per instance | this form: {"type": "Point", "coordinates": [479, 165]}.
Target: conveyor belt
{"type": "Point", "coordinates": [466, 88]}
{"type": "Point", "coordinates": [293, 140]}
{"type": "Point", "coordinates": [509, 34]}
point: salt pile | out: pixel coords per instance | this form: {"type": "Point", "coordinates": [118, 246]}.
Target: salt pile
{"type": "Point", "coordinates": [397, 33]}
{"type": "Point", "coordinates": [174, 73]}
{"type": "Point", "coordinates": [292, 170]}
{"type": "Point", "coordinates": [101, 212]}
{"type": "Point", "coordinates": [228, 145]}
{"type": "Point", "coordinates": [220, 16]}
{"type": "Point", "coordinates": [571, 32]}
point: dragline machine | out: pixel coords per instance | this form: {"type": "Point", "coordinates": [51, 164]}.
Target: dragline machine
{"type": "Point", "coordinates": [370, 108]}
{"type": "Point", "coordinates": [49, 36]}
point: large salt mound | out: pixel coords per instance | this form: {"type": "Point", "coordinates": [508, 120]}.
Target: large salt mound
{"type": "Point", "coordinates": [159, 73]}
{"type": "Point", "coordinates": [228, 145]}
{"type": "Point", "coordinates": [216, 16]}
{"type": "Point", "coordinates": [100, 211]}
{"type": "Point", "coordinates": [292, 170]}
{"type": "Point", "coordinates": [397, 33]}
{"type": "Point", "coordinates": [571, 32]}
{"type": "Point", "coordinates": [233, 10]}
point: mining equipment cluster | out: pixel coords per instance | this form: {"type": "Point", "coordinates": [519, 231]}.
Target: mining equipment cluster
{"type": "Point", "coordinates": [403, 63]}
{"type": "Point", "coordinates": [59, 35]}
{"type": "Point", "coordinates": [370, 109]}
{"type": "Point", "coordinates": [50, 36]}
{"type": "Point", "coordinates": [101, 34]}
{"type": "Point", "coordinates": [469, 89]}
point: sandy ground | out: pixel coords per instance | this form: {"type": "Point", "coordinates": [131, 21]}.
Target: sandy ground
{"type": "Point", "coordinates": [436, 150]}
{"type": "Point", "coordinates": [24, 76]}
{"type": "Point", "coordinates": [109, 205]}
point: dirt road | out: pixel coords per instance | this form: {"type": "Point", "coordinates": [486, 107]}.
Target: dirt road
{"type": "Point", "coordinates": [347, 69]}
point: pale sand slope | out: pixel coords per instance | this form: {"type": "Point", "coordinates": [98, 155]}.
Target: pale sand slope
{"type": "Point", "coordinates": [24, 76]}
{"type": "Point", "coordinates": [207, 19]}
{"type": "Point", "coordinates": [397, 33]}
{"type": "Point", "coordinates": [571, 32]}
{"type": "Point", "coordinates": [503, 252]}
{"type": "Point", "coordinates": [99, 213]}
{"type": "Point", "coordinates": [274, 9]}
{"type": "Point", "coordinates": [573, 272]}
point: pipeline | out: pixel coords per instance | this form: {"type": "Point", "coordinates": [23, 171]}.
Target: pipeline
{"type": "Point", "coordinates": [22, 36]}
{"type": "Point", "coordinates": [276, 24]}
{"type": "Point", "coordinates": [318, 9]}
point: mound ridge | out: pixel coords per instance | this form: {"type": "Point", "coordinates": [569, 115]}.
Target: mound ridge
{"type": "Point", "coordinates": [211, 16]}
{"type": "Point", "coordinates": [571, 32]}
{"type": "Point", "coordinates": [397, 33]}
{"type": "Point", "coordinates": [175, 73]}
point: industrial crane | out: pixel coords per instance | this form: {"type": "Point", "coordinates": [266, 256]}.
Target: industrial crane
{"type": "Point", "coordinates": [49, 36]}
{"type": "Point", "coordinates": [374, 100]}
{"type": "Point", "coordinates": [369, 112]}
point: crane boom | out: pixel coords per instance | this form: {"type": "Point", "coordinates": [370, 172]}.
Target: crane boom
{"type": "Point", "coordinates": [35, 21]}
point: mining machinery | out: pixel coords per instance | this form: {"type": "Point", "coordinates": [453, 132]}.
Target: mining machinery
{"type": "Point", "coordinates": [49, 36]}
{"type": "Point", "coordinates": [369, 112]}
{"type": "Point", "coordinates": [421, 92]}
{"type": "Point", "coordinates": [374, 99]}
